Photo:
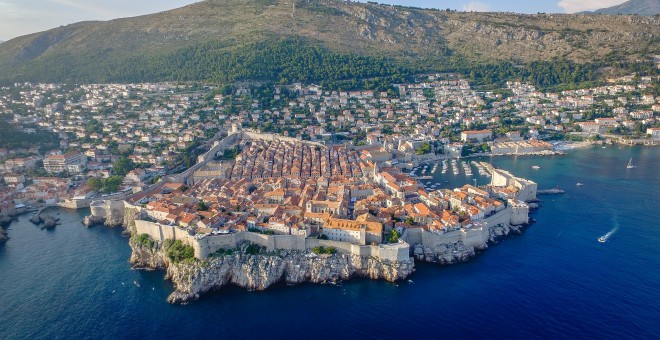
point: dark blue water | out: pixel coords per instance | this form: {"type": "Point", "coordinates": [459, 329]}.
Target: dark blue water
{"type": "Point", "coordinates": [554, 281]}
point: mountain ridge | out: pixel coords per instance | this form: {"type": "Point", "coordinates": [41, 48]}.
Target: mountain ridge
{"type": "Point", "coordinates": [419, 39]}
{"type": "Point", "coordinates": [638, 7]}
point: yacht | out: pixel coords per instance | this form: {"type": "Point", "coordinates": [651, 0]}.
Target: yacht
{"type": "Point", "coordinates": [535, 167]}
{"type": "Point", "coordinates": [630, 165]}
{"type": "Point", "coordinates": [579, 184]}
{"type": "Point", "coordinates": [602, 239]}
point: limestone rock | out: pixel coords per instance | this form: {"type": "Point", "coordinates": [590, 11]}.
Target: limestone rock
{"type": "Point", "coordinates": [3, 235]}
{"type": "Point", "coordinates": [91, 220]}
{"type": "Point", "coordinates": [447, 253]}
{"type": "Point", "coordinates": [260, 271]}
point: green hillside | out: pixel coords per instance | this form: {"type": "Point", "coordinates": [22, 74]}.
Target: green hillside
{"type": "Point", "coordinates": [328, 41]}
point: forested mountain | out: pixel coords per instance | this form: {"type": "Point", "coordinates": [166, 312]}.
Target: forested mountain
{"type": "Point", "coordinates": [329, 41]}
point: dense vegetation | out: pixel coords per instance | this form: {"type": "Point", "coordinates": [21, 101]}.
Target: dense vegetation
{"type": "Point", "coordinates": [177, 251]}
{"type": "Point", "coordinates": [105, 185]}
{"type": "Point", "coordinates": [145, 240]}
{"type": "Point", "coordinates": [282, 61]}
{"type": "Point", "coordinates": [285, 61]}
{"type": "Point", "coordinates": [13, 138]}
{"type": "Point", "coordinates": [289, 60]}
{"type": "Point", "coordinates": [319, 250]}
{"type": "Point", "coordinates": [123, 166]}
{"type": "Point", "coordinates": [424, 149]}
{"type": "Point", "coordinates": [336, 44]}
{"type": "Point", "coordinates": [393, 236]}
{"type": "Point", "coordinates": [552, 74]}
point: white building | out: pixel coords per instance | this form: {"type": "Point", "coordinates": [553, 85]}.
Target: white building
{"type": "Point", "coordinates": [478, 136]}
{"type": "Point", "coordinates": [72, 162]}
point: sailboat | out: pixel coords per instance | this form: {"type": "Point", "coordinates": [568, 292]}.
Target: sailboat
{"type": "Point", "coordinates": [630, 165]}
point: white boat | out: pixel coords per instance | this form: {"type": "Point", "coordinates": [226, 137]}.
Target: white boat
{"type": "Point", "coordinates": [630, 165]}
{"type": "Point", "coordinates": [579, 184]}
{"type": "Point", "coordinates": [535, 167]}
{"type": "Point", "coordinates": [602, 239]}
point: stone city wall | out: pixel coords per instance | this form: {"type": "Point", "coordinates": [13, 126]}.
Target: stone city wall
{"type": "Point", "coordinates": [206, 245]}
{"type": "Point", "coordinates": [273, 137]}
{"type": "Point", "coordinates": [475, 236]}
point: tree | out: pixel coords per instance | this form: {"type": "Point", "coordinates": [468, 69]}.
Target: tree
{"type": "Point", "coordinates": [123, 166]}
{"type": "Point", "coordinates": [95, 184]}
{"type": "Point", "coordinates": [409, 220]}
{"type": "Point", "coordinates": [424, 149]}
{"type": "Point", "coordinates": [177, 251]}
{"type": "Point", "coordinates": [393, 237]}
{"type": "Point", "coordinates": [202, 206]}
{"type": "Point", "coordinates": [112, 184]}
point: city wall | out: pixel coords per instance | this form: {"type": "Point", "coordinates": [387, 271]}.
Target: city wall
{"type": "Point", "coordinates": [475, 236]}
{"type": "Point", "coordinates": [209, 244]}
{"type": "Point", "coordinates": [110, 210]}
{"type": "Point", "coordinates": [273, 137]}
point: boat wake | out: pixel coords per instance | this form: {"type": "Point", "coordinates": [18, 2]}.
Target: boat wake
{"type": "Point", "coordinates": [605, 237]}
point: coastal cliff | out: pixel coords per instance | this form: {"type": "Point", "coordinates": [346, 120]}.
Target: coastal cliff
{"type": "Point", "coordinates": [444, 253]}
{"type": "Point", "coordinates": [262, 270]}
{"type": "Point", "coordinates": [3, 235]}
{"type": "Point", "coordinates": [450, 253]}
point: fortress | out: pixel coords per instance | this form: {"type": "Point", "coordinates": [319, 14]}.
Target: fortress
{"type": "Point", "coordinates": [208, 236]}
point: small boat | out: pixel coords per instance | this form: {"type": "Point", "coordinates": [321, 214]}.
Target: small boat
{"type": "Point", "coordinates": [602, 239]}
{"type": "Point", "coordinates": [410, 281]}
{"type": "Point", "coordinates": [579, 184]}
{"type": "Point", "coordinates": [113, 291]}
{"type": "Point", "coordinates": [630, 165]}
{"type": "Point", "coordinates": [136, 283]}
{"type": "Point", "coordinates": [535, 167]}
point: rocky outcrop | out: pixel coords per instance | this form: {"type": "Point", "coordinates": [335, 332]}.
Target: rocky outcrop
{"type": "Point", "coordinates": [5, 221]}
{"type": "Point", "coordinates": [107, 212]}
{"type": "Point", "coordinates": [130, 214]}
{"type": "Point", "coordinates": [449, 253]}
{"type": "Point", "coordinates": [444, 253]}
{"type": "Point", "coordinates": [3, 236]}
{"type": "Point", "coordinates": [499, 231]}
{"type": "Point", "coordinates": [50, 222]}
{"type": "Point", "coordinates": [91, 220]}
{"type": "Point", "coordinates": [260, 271]}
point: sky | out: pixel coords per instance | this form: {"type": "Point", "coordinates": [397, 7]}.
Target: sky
{"type": "Point", "coordinates": [20, 17]}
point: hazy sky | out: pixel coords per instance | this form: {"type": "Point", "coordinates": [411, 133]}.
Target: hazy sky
{"type": "Point", "coordinates": [19, 17]}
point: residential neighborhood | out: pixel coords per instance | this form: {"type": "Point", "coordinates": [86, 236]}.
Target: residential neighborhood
{"type": "Point", "coordinates": [157, 129]}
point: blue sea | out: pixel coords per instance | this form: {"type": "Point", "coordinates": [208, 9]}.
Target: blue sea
{"type": "Point", "coordinates": [553, 281]}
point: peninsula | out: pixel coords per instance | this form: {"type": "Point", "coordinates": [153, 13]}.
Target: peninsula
{"type": "Point", "coordinates": [259, 208]}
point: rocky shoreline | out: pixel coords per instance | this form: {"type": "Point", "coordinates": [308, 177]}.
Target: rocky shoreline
{"type": "Point", "coordinates": [260, 271]}
{"type": "Point", "coordinates": [457, 252]}
{"type": "Point", "coordinates": [3, 236]}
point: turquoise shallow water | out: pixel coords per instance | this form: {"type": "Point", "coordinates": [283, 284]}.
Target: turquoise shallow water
{"type": "Point", "coordinates": [554, 281]}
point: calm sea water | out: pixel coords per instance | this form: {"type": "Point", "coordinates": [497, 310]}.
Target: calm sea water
{"type": "Point", "coordinates": [554, 281]}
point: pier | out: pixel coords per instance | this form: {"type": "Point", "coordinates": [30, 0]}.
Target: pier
{"type": "Point", "coordinates": [554, 191]}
